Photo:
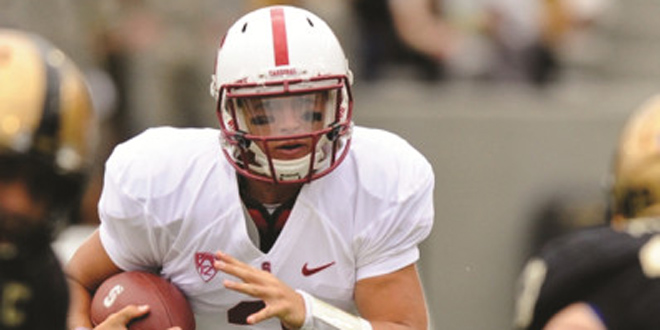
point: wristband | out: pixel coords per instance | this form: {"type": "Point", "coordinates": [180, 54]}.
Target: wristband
{"type": "Point", "coordinates": [321, 315]}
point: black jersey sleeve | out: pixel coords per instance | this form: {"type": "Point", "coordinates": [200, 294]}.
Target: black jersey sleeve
{"type": "Point", "coordinates": [33, 292]}
{"type": "Point", "coordinates": [599, 266]}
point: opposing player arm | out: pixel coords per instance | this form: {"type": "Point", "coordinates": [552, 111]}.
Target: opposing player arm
{"type": "Point", "coordinates": [577, 316]}
{"type": "Point", "coordinates": [88, 267]}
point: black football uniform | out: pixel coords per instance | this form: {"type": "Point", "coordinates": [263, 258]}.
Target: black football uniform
{"type": "Point", "coordinates": [616, 272]}
{"type": "Point", "coordinates": [33, 292]}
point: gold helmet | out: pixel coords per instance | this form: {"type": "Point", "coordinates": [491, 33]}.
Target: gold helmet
{"type": "Point", "coordinates": [45, 105]}
{"type": "Point", "coordinates": [46, 112]}
{"type": "Point", "coordinates": [636, 188]}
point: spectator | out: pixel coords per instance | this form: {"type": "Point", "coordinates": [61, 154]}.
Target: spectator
{"type": "Point", "coordinates": [402, 32]}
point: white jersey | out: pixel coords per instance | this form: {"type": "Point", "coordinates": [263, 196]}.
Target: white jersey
{"type": "Point", "coordinates": [170, 200]}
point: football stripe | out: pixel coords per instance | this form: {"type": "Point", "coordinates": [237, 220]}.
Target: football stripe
{"type": "Point", "coordinates": [280, 46]}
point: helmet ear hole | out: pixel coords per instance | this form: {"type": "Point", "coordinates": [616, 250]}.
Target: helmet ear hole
{"type": "Point", "coordinates": [634, 201]}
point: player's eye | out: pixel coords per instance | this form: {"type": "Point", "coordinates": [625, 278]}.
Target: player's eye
{"type": "Point", "coordinates": [313, 116]}
{"type": "Point", "coordinates": [261, 120]}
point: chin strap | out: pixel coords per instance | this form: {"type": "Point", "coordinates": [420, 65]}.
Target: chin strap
{"type": "Point", "coordinates": [320, 315]}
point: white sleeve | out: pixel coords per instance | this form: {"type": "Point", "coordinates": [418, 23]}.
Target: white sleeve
{"type": "Point", "coordinates": [399, 224]}
{"type": "Point", "coordinates": [130, 235]}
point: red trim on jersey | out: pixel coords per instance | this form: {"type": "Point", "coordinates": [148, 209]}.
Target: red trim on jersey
{"type": "Point", "coordinates": [280, 45]}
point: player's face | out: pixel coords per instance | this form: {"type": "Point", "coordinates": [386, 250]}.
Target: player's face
{"type": "Point", "coordinates": [22, 218]}
{"type": "Point", "coordinates": [286, 116]}
{"type": "Point", "coordinates": [23, 211]}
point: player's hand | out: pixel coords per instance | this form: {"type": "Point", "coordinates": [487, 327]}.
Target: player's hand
{"type": "Point", "coordinates": [281, 301]}
{"type": "Point", "coordinates": [119, 320]}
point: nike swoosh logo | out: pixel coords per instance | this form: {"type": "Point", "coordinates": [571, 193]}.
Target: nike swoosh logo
{"type": "Point", "coordinates": [311, 271]}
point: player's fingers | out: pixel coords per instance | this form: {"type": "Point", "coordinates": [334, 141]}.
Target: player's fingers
{"type": "Point", "coordinates": [130, 312]}
{"type": "Point", "coordinates": [252, 290]}
{"type": "Point", "coordinates": [230, 269]}
{"type": "Point", "coordinates": [120, 319]}
{"type": "Point", "coordinates": [229, 260]}
{"type": "Point", "coordinates": [263, 314]}
{"type": "Point", "coordinates": [231, 266]}
{"type": "Point", "coordinates": [219, 255]}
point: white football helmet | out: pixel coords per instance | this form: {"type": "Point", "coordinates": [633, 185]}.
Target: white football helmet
{"type": "Point", "coordinates": [282, 85]}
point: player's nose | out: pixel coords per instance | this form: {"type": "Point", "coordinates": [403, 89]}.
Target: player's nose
{"type": "Point", "coordinates": [290, 121]}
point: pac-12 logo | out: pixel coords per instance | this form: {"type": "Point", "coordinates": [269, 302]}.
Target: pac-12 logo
{"type": "Point", "coordinates": [112, 295]}
{"type": "Point", "coordinates": [204, 265]}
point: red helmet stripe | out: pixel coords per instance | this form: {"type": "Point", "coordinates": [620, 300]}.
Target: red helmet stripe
{"type": "Point", "coordinates": [280, 45]}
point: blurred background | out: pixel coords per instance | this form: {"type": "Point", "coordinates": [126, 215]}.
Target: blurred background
{"type": "Point", "coordinates": [516, 103]}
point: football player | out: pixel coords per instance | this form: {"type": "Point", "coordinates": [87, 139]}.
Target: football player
{"type": "Point", "coordinates": [46, 129]}
{"type": "Point", "coordinates": [607, 277]}
{"type": "Point", "coordinates": [288, 215]}
{"type": "Point", "coordinates": [47, 135]}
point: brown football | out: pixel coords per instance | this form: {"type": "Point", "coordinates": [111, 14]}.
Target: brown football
{"type": "Point", "coordinates": [168, 306]}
